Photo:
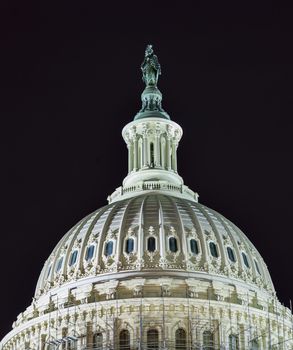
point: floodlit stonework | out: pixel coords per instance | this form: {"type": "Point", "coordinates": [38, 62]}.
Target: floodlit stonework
{"type": "Point", "coordinates": [153, 269]}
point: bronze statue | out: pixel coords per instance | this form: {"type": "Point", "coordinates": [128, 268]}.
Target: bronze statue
{"type": "Point", "coordinates": [150, 67]}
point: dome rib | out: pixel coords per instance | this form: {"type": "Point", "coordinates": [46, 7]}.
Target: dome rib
{"type": "Point", "coordinates": [199, 230]}
{"type": "Point", "coordinates": [140, 234]}
{"type": "Point", "coordinates": [224, 261]}
{"type": "Point", "coordinates": [250, 249]}
{"type": "Point", "coordinates": [87, 235]}
{"type": "Point", "coordinates": [72, 241]}
{"type": "Point", "coordinates": [106, 226]}
{"type": "Point", "coordinates": [183, 233]}
{"type": "Point", "coordinates": [162, 234]}
{"type": "Point", "coordinates": [120, 243]}
{"type": "Point", "coordinates": [232, 238]}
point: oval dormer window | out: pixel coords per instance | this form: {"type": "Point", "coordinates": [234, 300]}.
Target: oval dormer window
{"type": "Point", "coordinates": [194, 246]}
{"type": "Point", "coordinates": [257, 267]}
{"type": "Point", "coordinates": [73, 258]}
{"type": "Point", "coordinates": [109, 248]}
{"type": "Point", "coordinates": [129, 245]}
{"type": "Point", "coordinates": [151, 244]}
{"type": "Point", "coordinates": [231, 254]}
{"type": "Point", "coordinates": [214, 250]}
{"type": "Point", "coordinates": [245, 260]}
{"type": "Point", "coordinates": [49, 271]}
{"type": "Point", "coordinates": [59, 264]}
{"type": "Point", "coordinates": [90, 252]}
{"type": "Point", "coordinates": [173, 244]}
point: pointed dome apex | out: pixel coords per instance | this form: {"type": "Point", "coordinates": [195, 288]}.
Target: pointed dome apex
{"type": "Point", "coordinates": [151, 97]}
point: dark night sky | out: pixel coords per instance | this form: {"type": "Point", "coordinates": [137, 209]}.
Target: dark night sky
{"type": "Point", "coordinates": [71, 80]}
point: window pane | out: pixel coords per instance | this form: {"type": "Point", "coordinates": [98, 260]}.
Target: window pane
{"type": "Point", "coordinates": [257, 267]}
{"type": "Point", "coordinates": [254, 345]}
{"type": "Point", "coordinates": [173, 244]}
{"type": "Point", "coordinates": [193, 246]}
{"type": "Point", "coordinates": [233, 342]}
{"type": "Point", "coordinates": [59, 264]}
{"type": "Point", "coordinates": [49, 270]}
{"type": "Point", "coordinates": [89, 252]}
{"type": "Point", "coordinates": [213, 249]}
{"type": "Point", "coordinates": [151, 244]}
{"type": "Point", "coordinates": [73, 257]}
{"type": "Point", "coordinates": [109, 248]}
{"type": "Point", "coordinates": [129, 245]}
{"type": "Point", "coordinates": [98, 341]}
{"type": "Point", "coordinates": [231, 254]}
{"type": "Point", "coordinates": [245, 260]}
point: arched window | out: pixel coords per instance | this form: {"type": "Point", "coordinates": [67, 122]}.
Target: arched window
{"type": "Point", "coordinates": [257, 267]}
{"type": "Point", "coordinates": [129, 245]}
{"type": "Point", "coordinates": [180, 339]}
{"type": "Point", "coordinates": [152, 339]}
{"type": "Point", "coordinates": [73, 258]}
{"type": "Point", "coordinates": [89, 252]}
{"type": "Point", "coordinates": [233, 342]}
{"type": "Point", "coordinates": [231, 254]}
{"type": "Point", "coordinates": [151, 244]}
{"type": "Point", "coordinates": [193, 246]}
{"type": "Point", "coordinates": [245, 260]}
{"type": "Point", "coordinates": [59, 264]}
{"type": "Point", "coordinates": [173, 244]}
{"type": "Point", "coordinates": [152, 156]}
{"type": "Point", "coordinates": [213, 249]}
{"type": "Point", "coordinates": [71, 345]}
{"type": "Point", "coordinates": [109, 248]}
{"type": "Point", "coordinates": [98, 341]}
{"type": "Point", "coordinates": [254, 344]}
{"type": "Point", "coordinates": [124, 340]}
{"type": "Point", "coordinates": [208, 340]}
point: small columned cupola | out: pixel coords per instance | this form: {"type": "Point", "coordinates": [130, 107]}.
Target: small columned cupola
{"type": "Point", "coordinates": [152, 140]}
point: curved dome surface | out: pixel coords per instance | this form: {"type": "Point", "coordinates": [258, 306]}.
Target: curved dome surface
{"type": "Point", "coordinates": [154, 233]}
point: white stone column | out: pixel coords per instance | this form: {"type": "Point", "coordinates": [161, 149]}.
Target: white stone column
{"type": "Point", "coordinates": [168, 152]}
{"type": "Point", "coordinates": [135, 150]}
{"type": "Point", "coordinates": [163, 151]}
{"type": "Point", "coordinates": [174, 155]}
{"type": "Point", "coordinates": [145, 150]}
{"type": "Point", "coordinates": [157, 149]}
{"type": "Point", "coordinates": [130, 156]}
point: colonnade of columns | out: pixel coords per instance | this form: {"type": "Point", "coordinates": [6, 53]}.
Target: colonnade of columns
{"type": "Point", "coordinates": [159, 151]}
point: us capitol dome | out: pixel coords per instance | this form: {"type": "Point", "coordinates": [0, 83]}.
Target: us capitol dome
{"type": "Point", "coordinates": [153, 269]}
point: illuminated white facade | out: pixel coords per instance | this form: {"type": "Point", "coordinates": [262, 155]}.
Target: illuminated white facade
{"type": "Point", "coordinates": [154, 268]}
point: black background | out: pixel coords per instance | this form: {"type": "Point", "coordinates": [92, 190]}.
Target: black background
{"type": "Point", "coordinates": [70, 80]}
